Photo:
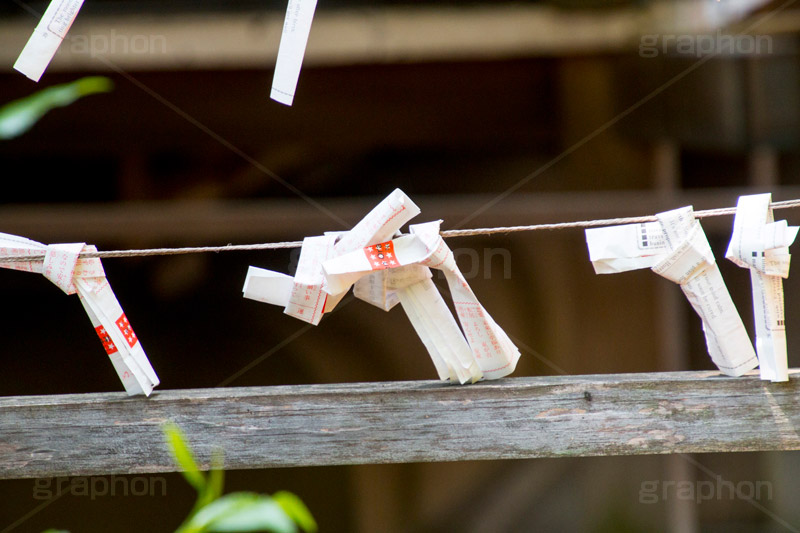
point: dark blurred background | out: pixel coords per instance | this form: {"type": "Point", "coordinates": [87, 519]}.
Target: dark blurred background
{"type": "Point", "coordinates": [580, 108]}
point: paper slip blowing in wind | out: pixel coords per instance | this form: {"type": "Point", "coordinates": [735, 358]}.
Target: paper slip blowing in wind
{"type": "Point", "coordinates": [296, 29]}
{"type": "Point", "coordinates": [47, 37]}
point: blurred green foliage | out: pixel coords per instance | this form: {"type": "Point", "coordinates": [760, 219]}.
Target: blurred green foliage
{"type": "Point", "coordinates": [19, 116]}
{"type": "Point", "coordinates": [236, 512]}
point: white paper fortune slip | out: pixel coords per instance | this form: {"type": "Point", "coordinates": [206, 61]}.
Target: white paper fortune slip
{"type": "Point", "coordinates": [47, 37]}
{"type": "Point", "coordinates": [385, 272]}
{"type": "Point", "coordinates": [676, 248]}
{"type": "Point", "coordinates": [762, 246]}
{"type": "Point", "coordinates": [296, 27]}
{"type": "Point", "coordinates": [72, 274]}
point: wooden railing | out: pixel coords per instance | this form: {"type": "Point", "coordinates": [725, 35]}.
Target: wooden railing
{"type": "Point", "coordinates": [398, 422]}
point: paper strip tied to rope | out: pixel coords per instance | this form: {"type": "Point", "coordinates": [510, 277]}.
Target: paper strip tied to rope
{"type": "Point", "coordinates": [762, 246]}
{"type": "Point", "coordinates": [384, 272]}
{"type": "Point", "coordinates": [86, 277]}
{"type": "Point", "coordinates": [676, 248]}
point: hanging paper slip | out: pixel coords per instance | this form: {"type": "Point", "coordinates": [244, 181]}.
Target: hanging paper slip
{"type": "Point", "coordinates": [86, 277]}
{"type": "Point", "coordinates": [385, 272]}
{"type": "Point", "coordinates": [676, 248]}
{"type": "Point", "coordinates": [296, 27]}
{"type": "Point", "coordinates": [47, 37]}
{"type": "Point", "coordinates": [762, 246]}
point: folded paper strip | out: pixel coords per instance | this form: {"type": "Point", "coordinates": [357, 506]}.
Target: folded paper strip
{"type": "Point", "coordinates": [86, 277]}
{"type": "Point", "coordinates": [385, 271]}
{"type": "Point", "coordinates": [676, 248]}
{"type": "Point", "coordinates": [762, 246]}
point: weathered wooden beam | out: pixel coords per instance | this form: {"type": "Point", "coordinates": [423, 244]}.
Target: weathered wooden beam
{"type": "Point", "coordinates": [261, 427]}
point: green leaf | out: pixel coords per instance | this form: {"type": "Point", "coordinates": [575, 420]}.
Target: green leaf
{"type": "Point", "coordinates": [216, 476]}
{"type": "Point", "coordinates": [297, 510]}
{"type": "Point", "coordinates": [214, 482]}
{"type": "Point", "coordinates": [19, 116]}
{"type": "Point", "coordinates": [183, 456]}
{"type": "Point", "coordinates": [241, 512]}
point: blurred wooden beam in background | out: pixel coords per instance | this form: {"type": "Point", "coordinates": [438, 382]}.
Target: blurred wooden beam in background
{"type": "Point", "coordinates": [231, 40]}
{"type": "Point", "coordinates": [215, 222]}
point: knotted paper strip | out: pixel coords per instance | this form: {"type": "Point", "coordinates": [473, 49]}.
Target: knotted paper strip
{"type": "Point", "coordinates": [305, 295]}
{"type": "Point", "coordinates": [762, 246]}
{"type": "Point", "coordinates": [676, 248]}
{"type": "Point", "coordinates": [86, 277]}
{"type": "Point", "coordinates": [384, 272]}
{"type": "Point", "coordinates": [47, 37]}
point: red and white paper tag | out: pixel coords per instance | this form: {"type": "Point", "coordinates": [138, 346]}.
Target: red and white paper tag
{"type": "Point", "coordinates": [385, 271]}
{"type": "Point", "coordinates": [86, 277]}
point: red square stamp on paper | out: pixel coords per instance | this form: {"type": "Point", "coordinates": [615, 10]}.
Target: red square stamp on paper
{"type": "Point", "coordinates": [381, 255]}
{"type": "Point", "coordinates": [126, 330]}
{"type": "Point", "coordinates": [105, 338]}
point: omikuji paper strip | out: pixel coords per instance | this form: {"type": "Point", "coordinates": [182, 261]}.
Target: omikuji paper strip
{"type": "Point", "coordinates": [47, 37]}
{"type": "Point", "coordinates": [296, 28]}
{"type": "Point", "coordinates": [676, 248]}
{"type": "Point", "coordinates": [308, 288]}
{"type": "Point", "coordinates": [384, 272]}
{"type": "Point", "coordinates": [762, 246]}
{"type": "Point", "coordinates": [86, 277]}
